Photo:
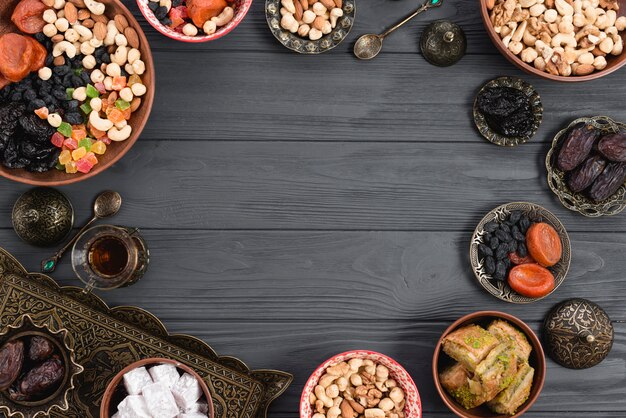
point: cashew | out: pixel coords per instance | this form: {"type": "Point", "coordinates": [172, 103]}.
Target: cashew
{"type": "Point", "coordinates": [599, 63]}
{"type": "Point", "coordinates": [355, 364]}
{"type": "Point", "coordinates": [540, 63]}
{"type": "Point", "coordinates": [288, 5]}
{"type": "Point", "coordinates": [320, 392]}
{"type": "Point", "coordinates": [226, 16]}
{"type": "Point", "coordinates": [288, 22]}
{"type": "Point", "coordinates": [561, 39]}
{"type": "Point", "coordinates": [115, 134]}
{"type": "Point", "coordinates": [579, 20]}
{"type": "Point", "coordinates": [318, 415]}
{"type": "Point", "coordinates": [319, 9]}
{"type": "Point", "coordinates": [338, 369]}
{"type": "Point", "coordinates": [386, 404]}
{"type": "Point", "coordinates": [99, 123]}
{"type": "Point", "coordinates": [537, 10]}
{"type": "Point", "coordinates": [64, 47]}
{"type": "Point", "coordinates": [333, 412]}
{"type": "Point", "coordinates": [190, 29]}
{"type": "Point", "coordinates": [209, 27]}
{"type": "Point", "coordinates": [529, 55]}
{"type": "Point", "coordinates": [603, 21]}
{"type": "Point", "coordinates": [95, 7]}
{"type": "Point", "coordinates": [396, 394]}
{"type": "Point", "coordinates": [85, 33]}
{"type": "Point", "coordinates": [566, 26]}
{"type": "Point", "coordinates": [612, 15]}
{"type": "Point", "coordinates": [335, 14]}
{"type": "Point", "coordinates": [527, 3]}
{"type": "Point", "coordinates": [506, 41]}
{"type": "Point", "coordinates": [122, 124]}
{"type": "Point", "coordinates": [374, 413]}
{"type": "Point", "coordinates": [564, 8]}
{"type": "Point", "coordinates": [327, 28]}
{"type": "Point", "coordinates": [327, 380]}
{"type": "Point", "coordinates": [109, 39]}
{"type": "Point", "coordinates": [618, 45]}
{"type": "Point", "coordinates": [95, 42]}
{"type": "Point", "coordinates": [332, 391]}
{"type": "Point", "coordinates": [96, 104]}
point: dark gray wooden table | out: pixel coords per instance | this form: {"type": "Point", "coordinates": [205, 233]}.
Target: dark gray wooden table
{"type": "Point", "coordinates": [299, 206]}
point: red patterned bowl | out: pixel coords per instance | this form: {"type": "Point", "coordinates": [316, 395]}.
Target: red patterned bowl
{"type": "Point", "coordinates": [413, 405]}
{"type": "Point", "coordinates": [241, 9]}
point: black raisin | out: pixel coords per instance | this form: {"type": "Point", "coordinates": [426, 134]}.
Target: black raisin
{"type": "Point", "coordinates": [502, 251]}
{"type": "Point", "coordinates": [517, 234]}
{"type": "Point", "coordinates": [503, 236]}
{"type": "Point", "coordinates": [515, 216]}
{"type": "Point", "coordinates": [500, 272]}
{"type": "Point", "coordinates": [491, 226]}
{"type": "Point", "coordinates": [524, 224]}
{"type": "Point", "coordinates": [490, 265]}
{"type": "Point", "coordinates": [494, 243]}
{"type": "Point", "coordinates": [512, 246]}
{"type": "Point", "coordinates": [522, 251]}
{"type": "Point", "coordinates": [483, 250]}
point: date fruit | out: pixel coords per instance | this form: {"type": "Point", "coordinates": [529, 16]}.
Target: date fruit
{"type": "Point", "coordinates": [42, 379]}
{"type": "Point", "coordinates": [11, 359]}
{"type": "Point", "coordinates": [40, 349]}
{"type": "Point", "coordinates": [576, 147]}
{"type": "Point", "coordinates": [544, 244]}
{"type": "Point", "coordinates": [584, 176]}
{"type": "Point", "coordinates": [608, 182]}
{"type": "Point", "coordinates": [613, 147]}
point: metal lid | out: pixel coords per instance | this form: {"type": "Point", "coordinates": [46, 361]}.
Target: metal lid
{"type": "Point", "coordinates": [42, 216]}
{"type": "Point", "coordinates": [578, 334]}
{"type": "Point", "coordinates": [443, 43]}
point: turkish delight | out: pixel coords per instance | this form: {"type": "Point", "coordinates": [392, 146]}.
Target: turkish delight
{"type": "Point", "coordinates": [165, 373]}
{"type": "Point", "coordinates": [133, 406]}
{"type": "Point", "coordinates": [186, 391]}
{"type": "Point", "coordinates": [136, 379]}
{"type": "Point", "coordinates": [160, 401]}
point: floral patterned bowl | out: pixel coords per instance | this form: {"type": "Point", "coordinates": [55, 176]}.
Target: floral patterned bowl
{"type": "Point", "coordinates": [413, 406]}
{"type": "Point", "coordinates": [241, 9]}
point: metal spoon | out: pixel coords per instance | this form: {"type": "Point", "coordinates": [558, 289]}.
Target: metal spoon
{"type": "Point", "coordinates": [369, 45]}
{"type": "Point", "coordinates": [106, 204]}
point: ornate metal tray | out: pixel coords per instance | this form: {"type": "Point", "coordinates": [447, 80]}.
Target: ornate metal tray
{"type": "Point", "coordinates": [107, 339]}
{"type": "Point", "coordinates": [303, 45]}
{"type": "Point", "coordinates": [535, 102]}
{"type": "Point", "coordinates": [501, 289]}
{"type": "Point", "coordinates": [578, 202]}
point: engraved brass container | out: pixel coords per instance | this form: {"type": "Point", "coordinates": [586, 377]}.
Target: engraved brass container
{"type": "Point", "coordinates": [578, 202]}
{"type": "Point", "coordinates": [578, 334]}
{"type": "Point", "coordinates": [443, 43]}
{"type": "Point", "coordinates": [42, 216]}
{"type": "Point", "coordinates": [536, 107]}
{"type": "Point", "coordinates": [501, 289]}
{"type": "Point", "coordinates": [58, 401]}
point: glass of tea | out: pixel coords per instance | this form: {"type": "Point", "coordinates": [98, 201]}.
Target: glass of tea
{"type": "Point", "coordinates": [107, 257]}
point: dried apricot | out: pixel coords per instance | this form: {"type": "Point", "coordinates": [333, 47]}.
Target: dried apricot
{"type": "Point", "coordinates": [16, 52]}
{"type": "Point", "coordinates": [202, 10]}
{"type": "Point", "coordinates": [39, 55]}
{"type": "Point", "coordinates": [28, 16]}
{"type": "Point", "coordinates": [518, 259]}
{"type": "Point", "coordinates": [544, 244]}
{"type": "Point", "coordinates": [531, 280]}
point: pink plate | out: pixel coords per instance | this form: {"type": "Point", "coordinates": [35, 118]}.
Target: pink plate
{"type": "Point", "coordinates": [241, 9]}
{"type": "Point", "coordinates": [413, 406]}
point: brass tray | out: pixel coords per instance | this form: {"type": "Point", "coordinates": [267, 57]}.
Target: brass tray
{"type": "Point", "coordinates": [107, 339]}
{"type": "Point", "coordinates": [501, 289]}
{"type": "Point", "coordinates": [578, 202]}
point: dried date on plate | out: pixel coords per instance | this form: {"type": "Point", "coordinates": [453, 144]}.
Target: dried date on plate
{"type": "Point", "coordinates": [11, 359]}
{"type": "Point", "coordinates": [608, 182]}
{"type": "Point", "coordinates": [576, 147]}
{"type": "Point", "coordinates": [42, 379]}
{"type": "Point", "coordinates": [613, 146]}
{"type": "Point", "coordinates": [586, 173]}
{"type": "Point", "coordinates": [40, 349]}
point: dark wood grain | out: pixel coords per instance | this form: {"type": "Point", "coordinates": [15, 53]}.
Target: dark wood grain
{"type": "Point", "coordinates": [290, 185]}
{"type": "Point", "coordinates": [388, 276]}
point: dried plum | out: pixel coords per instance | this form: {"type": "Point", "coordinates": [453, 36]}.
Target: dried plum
{"type": "Point", "coordinates": [613, 146]}
{"type": "Point", "coordinates": [586, 173]}
{"type": "Point", "coordinates": [577, 146]}
{"type": "Point", "coordinates": [506, 110]}
{"type": "Point", "coordinates": [608, 182]}
{"type": "Point", "coordinates": [33, 125]}
{"type": "Point", "coordinates": [518, 124]}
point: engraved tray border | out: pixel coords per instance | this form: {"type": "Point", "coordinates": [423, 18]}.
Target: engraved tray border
{"type": "Point", "coordinates": [230, 378]}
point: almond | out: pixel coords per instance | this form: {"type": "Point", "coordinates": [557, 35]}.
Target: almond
{"type": "Point", "coordinates": [121, 23]}
{"type": "Point", "coordinates": [305, 4]}
{"type": "Point", "coordinates": [339, 3]}
{"type": "Point", "coordinates": [100, 18]}
{"type": "Point", "coordinates": [100, 30]}
{"type": "Point", "coordinates": [88, 23]}
{"type": "Point", "coordinates": [312, 2]}
{"type": "Point", "coordinates": [71, 13]}
{"type": "Point", "coordinates": [84, 14]}
{"type": "Point", "coordinates": [584, 69]}
{"type": "Point", "coordinates": [57, 38]}
{"type": "Point", "coordinates": [134, 105]}
{"type": "Point", "coordinates": [329, 4]}
{"type": "Point", "coordinates": [49, 3]}
{"type": "Point", "coordinates": [132, 37]}
{"type": "Point", "coordinates": [58, 61]}
{"type": "Point", "coordinates": [78, 3]}
{"type": "Point", "coordinates": [318, 23]}
{"type": "Point", "coordinates": [299, 11]}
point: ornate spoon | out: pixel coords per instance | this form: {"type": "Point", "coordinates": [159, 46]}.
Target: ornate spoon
{"type": "Point", "coordinates": [106, 204]}
{"type": "Point", "coordinates": [369, 45]}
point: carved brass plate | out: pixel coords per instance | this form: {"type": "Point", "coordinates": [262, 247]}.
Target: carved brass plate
{"type": "Point", "coordinates": [105, 340]}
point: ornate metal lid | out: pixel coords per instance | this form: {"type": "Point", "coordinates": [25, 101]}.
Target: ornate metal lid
{"type": "Point", "coordinates": [42, 216]}
{"type": "Point", "coordinates": [578, 334]}
{"type": "Point", "coordinates": [443, 43]}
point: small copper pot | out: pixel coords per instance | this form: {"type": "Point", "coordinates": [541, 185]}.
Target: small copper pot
{"type": "Point", "coordinates": [108, 404]}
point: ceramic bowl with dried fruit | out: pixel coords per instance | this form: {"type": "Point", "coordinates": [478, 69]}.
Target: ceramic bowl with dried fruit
{"type": "Point", "coordinates": [39, 370]}
{"type": "Point", "coordinates": [360, 384]}
{"type": "Point", "coordinates": [194, 21]}
{"type": "Point", "coordinates": [562, 40]}
{"type": "Point", "coordinates": [310, 26]}
{"type": "Point", "coordinates": [77, 91]}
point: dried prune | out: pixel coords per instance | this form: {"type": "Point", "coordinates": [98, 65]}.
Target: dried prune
{"type": "Point", "coordinates": [42, 379]}
{"type": "Point", "coordinates": [608, 182]}
{"type": "Point", "coordinates": [586, 173]}
{"type": "Point", "coordinates": [40, 349]}
{"type": "Point", "coordinates": [11, 359]}
{"type": "Point", "coordinates": [33, 125]}
{"type": "Point", "coordinates": [576, 147]}
{"type": "Point", "coordinates": [506, 110]}
{"type": "Point", "coordinates": [613, 146]}
{"type": "Point", "coordinates": [490, 265]}
{"type": "Point", "coordinates": [518, 124]}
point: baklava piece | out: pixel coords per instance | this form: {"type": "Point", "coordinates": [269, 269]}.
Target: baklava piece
{"type": "Point", "coordinates": [506, 332]}
{"type": "Point", "coordinates": [510, 399]}
{"type": "Point", "coordinates": [469, 345]}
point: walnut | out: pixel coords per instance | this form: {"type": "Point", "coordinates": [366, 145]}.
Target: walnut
{"type": "Point", "coordinates": [502, 13]}
{"type": "Point", "coordinates": [557, 65]}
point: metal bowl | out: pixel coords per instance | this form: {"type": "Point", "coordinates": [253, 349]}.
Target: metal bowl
{"type": "Point", "coordinates": [303, 45]}
{"type": "Point", "coordinates": [535, 102]}
{"type": "Point", "coordinates": [578, 202]}
{"type": "Point", "coordinates": [58, 401]}
{"type": "Point", "coordinates": [501, 289]}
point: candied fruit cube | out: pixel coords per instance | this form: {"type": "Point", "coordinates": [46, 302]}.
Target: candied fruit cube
{"type": "Point", "coordinates": [70, 167]}
{"type": "Point", "coordinates": [65, 129]}
{"type": "Point", "coordinates": [65, 156]}
{"type": "Point", "coordinates": [99, 88]}
{"type": "Point", "coordinates": [127, 113]}
{"type": "Point", "coordinates": [42, 112]}
{"type": "Point", "coordinates": [91, 157]}
{"type": "Point", "coordinates": [79, 134]}
{"type": "Point", "coordinates": [71, 143]}
{"type": "Point", "coordinates": [57, 139]}
{"type": "Point", "coordinates": [134, 79]}
{"type": "Point", "coordinates": [96, 133]}
{"type": "Point", "coordinates": [93, 91]}
{"type": "Point", "coordinates": [79, 153]}
{"type": "Point", "coordinates": [119, 82]}
{"type": "Point", "coordinates": [86, 143]}
{"type": "Point", "coordinates": [83, 165]}
{"type": "Point", "coordinates": [99, 147]}
{"type": "Point", "coordinates": [115, 115]}
{"type": "Point", "coordinates": [136, 379]}
{"type": "Point", "coordinates": [106, 140]}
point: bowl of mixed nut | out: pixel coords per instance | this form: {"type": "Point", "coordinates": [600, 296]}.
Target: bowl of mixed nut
{"type": "Point", "coordinates": [310, 26]}
{"type": "Point", "coordinates": [194, 20]}
{"type": "Point", "coordinates": [76, 88]}
{"type": "Point", "coordinates": [562, 40]}
{"type": "Point", "coordinates": [360, 384]}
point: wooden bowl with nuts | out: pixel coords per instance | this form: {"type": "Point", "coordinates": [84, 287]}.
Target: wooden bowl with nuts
{"type": "Point", "coordinates": [92, 96]}
{"type": "Point", "coordinates": [358, 384]}
{"type": "Point", "coordinates": [561, 40]}
{"type": "Point", "coordinates": [310, 26]}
